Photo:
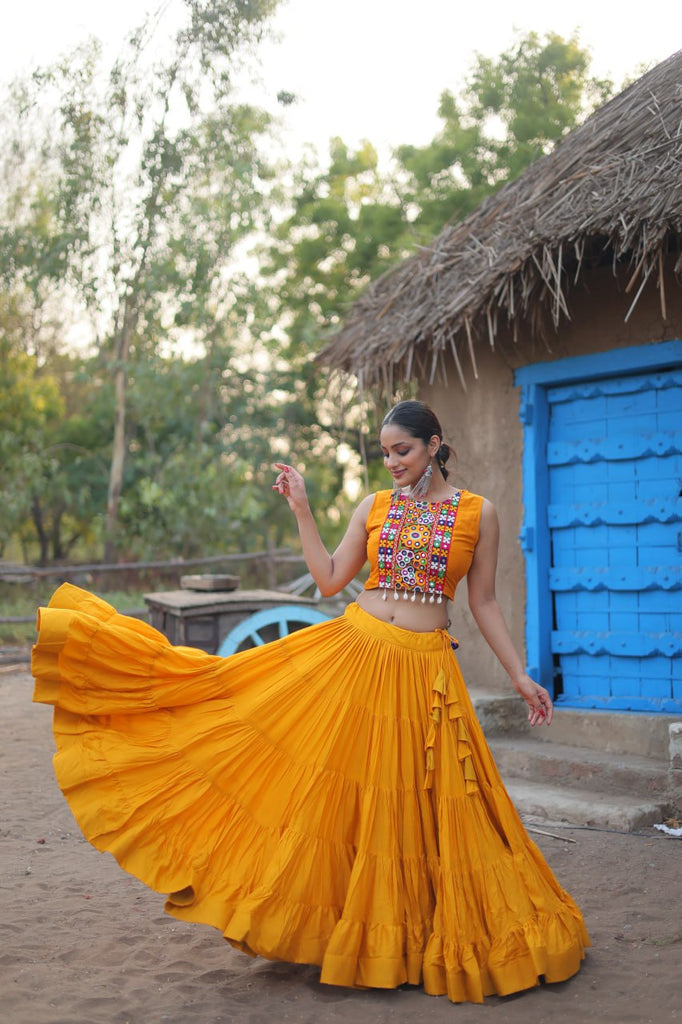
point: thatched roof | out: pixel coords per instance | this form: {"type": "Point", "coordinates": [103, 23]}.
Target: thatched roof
{"type": "Point", "coordinates": [611, 190]}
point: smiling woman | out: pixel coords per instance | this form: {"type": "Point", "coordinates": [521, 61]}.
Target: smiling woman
{"type": "Point", "coordinates": [328, 798]}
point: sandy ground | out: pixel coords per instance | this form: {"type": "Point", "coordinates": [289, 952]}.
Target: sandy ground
{"type": "Point", "coordinates": [83, 943]}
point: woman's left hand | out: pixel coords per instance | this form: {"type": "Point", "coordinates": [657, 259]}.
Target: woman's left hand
{"type": "Point", "coordinates": [540, 707]}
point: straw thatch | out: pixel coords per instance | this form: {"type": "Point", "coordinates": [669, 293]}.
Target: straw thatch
{"type": "Point", "coordinates": [610, 191]}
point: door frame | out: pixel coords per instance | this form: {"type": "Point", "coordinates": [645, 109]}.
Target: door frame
{"type": "Point", "coordinates": [534, 381]}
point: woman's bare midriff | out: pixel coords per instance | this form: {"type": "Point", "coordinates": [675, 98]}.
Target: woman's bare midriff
{"type": "Point", "coordinates": [420, 618]}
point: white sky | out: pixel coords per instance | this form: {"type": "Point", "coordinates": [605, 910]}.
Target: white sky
{"type": "Point", "coordinates": [367, 68]}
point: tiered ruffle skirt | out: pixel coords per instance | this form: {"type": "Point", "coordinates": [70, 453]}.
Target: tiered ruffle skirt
{"type": "Point", "coordinates": [326, 799]}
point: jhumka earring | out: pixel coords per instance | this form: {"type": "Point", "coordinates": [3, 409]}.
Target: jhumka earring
{"type": "Point", "coordinates": [422, 484]}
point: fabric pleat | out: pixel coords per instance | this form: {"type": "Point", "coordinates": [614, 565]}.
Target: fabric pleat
{"type": "Point", "coordinates": [328, 798]}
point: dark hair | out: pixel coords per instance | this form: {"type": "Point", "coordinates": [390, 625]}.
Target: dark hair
{"type": "Point", "coordinates": [420, 421]}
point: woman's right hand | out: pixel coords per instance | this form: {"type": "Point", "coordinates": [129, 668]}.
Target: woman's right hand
{"type": "Point", "coordinates": [291, 485]}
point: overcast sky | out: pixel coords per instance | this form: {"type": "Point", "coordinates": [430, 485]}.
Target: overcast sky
{"type": "Point", "coordinates": [367, 68]}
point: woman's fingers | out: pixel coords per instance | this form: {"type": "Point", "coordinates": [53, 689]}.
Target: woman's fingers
{"type": "Point", "coordinates": [289, 482]}
{"type": "Point", "coordinates": [540, 709]}
{"type": "Point", "coordinates": [281, 483]}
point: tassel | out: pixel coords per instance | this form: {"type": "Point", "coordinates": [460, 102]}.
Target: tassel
{"type": "Point", "coordinates": [384, 595]}
{"type": "Point", "coordinates": [431, 599]}
{"type": "Point", "coordinates": [395, 595]}
{"type": "Point", "coordinates": [414, 596]}
{"type": "Point", "coordinates": [404, 595]}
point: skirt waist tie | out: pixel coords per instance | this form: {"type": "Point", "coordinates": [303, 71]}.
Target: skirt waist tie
{"type": "Point", "coordinates": [444, 701]}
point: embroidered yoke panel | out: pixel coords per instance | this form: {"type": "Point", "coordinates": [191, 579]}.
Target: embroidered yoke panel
{"type": "Point", "coordinates": [421, 547]}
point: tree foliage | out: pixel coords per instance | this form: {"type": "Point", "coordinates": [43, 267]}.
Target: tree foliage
{"type": "Point", "coordinates": [131, 205]}
{"type": "Point", "coordinates": [351, 220]}
{"type": "Point", "coordinates": [148, 179]}
{"type": "Point", "coordinates": [513, 109]}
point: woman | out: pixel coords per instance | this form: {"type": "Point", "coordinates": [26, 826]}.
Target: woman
{"type": "Point", "coordinates": [328, 798]}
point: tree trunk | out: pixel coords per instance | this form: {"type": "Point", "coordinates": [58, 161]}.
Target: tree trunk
{"type": "Point", "coordinates": [118, 452]}
{"type": "Point", "coordinates": [43, 540]}
{"type": "Point", "coordinates": [56, 535]}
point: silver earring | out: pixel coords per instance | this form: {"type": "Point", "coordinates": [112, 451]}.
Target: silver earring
{"type": "Point", "coordinates": [422, 484]}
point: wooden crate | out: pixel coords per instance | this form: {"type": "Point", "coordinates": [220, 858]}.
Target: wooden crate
{"type": "Point", "coordinates": [191, 618]}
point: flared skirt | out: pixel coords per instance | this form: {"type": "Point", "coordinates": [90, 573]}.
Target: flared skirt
{"type": "Point", "coordinates": [327, 799]}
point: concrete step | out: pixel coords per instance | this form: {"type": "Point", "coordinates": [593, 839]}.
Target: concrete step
{"type": "Point", "coordinates": [528, 758]}
{"type": "Point", "coordinates": [618, 732]}
{"type": "Point", "coordinates": [605, 769]}
{"type": "Point", "coordinates": [499, 713]}
{"type": "Point", "coordinates": [540, 803]}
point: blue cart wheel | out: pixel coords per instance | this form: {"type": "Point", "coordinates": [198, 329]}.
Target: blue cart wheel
{"type": "Point", "coordinates": [270, 624]}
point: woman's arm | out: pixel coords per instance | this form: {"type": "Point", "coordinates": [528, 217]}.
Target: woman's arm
{"type": "Point", "coordinates": [490, 621]}
{"type": "Point", "coordinates": [330, 572]}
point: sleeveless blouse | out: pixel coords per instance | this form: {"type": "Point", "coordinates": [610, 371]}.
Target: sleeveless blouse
{"type": "Point", "coordinates": [421, 549]}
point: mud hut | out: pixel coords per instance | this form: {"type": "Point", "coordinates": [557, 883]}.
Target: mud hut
{"type": "Point", "coordinates": [545, 329]}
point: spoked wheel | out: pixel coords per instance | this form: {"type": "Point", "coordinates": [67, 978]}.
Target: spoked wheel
{"type": "Point", "coordinates": [270, 624]}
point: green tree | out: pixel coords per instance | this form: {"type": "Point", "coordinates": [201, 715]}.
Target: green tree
{"type": "Point", "coordinates": [351, 220]}
{"type": "Point", "coordinates": [128, 214]}
{"type": "Point", "coordinates": [54, 439]}
{"type": "Point", "coordinates": [512, 109]}
{"type": "Point", "coordinates": [140, 193]}
{"type": "Point", "coordinates": [342, 226]}
{"type": "Point", "coordinates": [204, 434]}
{"type": "Point", "coordinates": [29, 403]}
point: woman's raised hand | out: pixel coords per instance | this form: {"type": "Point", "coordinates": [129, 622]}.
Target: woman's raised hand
{"type": "Point", "coordinates": [291, 485]}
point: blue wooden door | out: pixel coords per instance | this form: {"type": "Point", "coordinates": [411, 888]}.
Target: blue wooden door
{"type": "Point", "coordinates": [614, 486]}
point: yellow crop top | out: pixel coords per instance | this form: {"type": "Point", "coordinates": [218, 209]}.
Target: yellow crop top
{"type": "Point", "coordinates": [421, 547]}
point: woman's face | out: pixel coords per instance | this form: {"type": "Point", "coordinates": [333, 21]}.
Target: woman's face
{"type": "Point", "coordinates": [406, 457]}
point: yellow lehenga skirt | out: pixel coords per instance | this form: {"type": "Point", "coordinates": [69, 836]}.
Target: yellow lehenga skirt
{"type": "Point", "coordinates": [326, 799]}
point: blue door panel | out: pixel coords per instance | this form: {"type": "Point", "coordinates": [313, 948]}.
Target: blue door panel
{"type": "Point", "coordinates": [562, 481]}
{"type": "Point", "coordinates": [563, 546]}
{"type": "Point", "coordinates": [623, 686]}
{"type": "Point", "coordinates": [658, 688]}
{"type": "Point", "coordinates": [653, 473]}
{"type": "Point", "coordinates": [612, 517]}
{"type": "Point", "coordinates": [624, 622]}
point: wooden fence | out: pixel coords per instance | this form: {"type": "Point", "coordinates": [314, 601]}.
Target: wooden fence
{"type": "Point", "coordinates": [266, 561]}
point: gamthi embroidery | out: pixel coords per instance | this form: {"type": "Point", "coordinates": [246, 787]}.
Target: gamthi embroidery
{"type": "Point", "coordinates": [414, 545]}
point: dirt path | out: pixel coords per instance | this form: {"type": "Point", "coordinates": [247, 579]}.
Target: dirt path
{"type": "Point", "coordinates": [85, 944]}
